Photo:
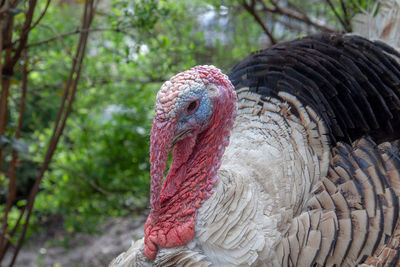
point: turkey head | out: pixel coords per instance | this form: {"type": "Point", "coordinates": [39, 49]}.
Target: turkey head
{"type": "Point", "coordinates": [194, 113]}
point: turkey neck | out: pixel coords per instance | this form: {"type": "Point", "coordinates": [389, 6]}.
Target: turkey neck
{"type": "Point", "coordinates": [194, 165]}
{"type": "Point", "coordinates": [195, 159]}
{"type": "Point", "coordinates": [191, 176]}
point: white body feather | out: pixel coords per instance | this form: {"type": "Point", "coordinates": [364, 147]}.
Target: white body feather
{"type": "Point", "coordinates": [259, 189]}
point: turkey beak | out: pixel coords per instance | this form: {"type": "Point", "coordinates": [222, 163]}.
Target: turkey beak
{"type": "Point", "coordinates": [179, 135]}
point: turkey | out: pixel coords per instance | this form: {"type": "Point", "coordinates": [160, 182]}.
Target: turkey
{"type": "Point", "coordinates": [291, 160]}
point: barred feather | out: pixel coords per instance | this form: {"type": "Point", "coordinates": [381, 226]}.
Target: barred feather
{"type": "Point", "coordinates": [349, 81]}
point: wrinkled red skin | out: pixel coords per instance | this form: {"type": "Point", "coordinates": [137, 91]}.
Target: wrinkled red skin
{"type": "Point", "coordinates": [191, 176]}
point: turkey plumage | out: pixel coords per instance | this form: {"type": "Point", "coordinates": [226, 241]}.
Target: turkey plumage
{"type": "Point", "coordinates": [294, 160]}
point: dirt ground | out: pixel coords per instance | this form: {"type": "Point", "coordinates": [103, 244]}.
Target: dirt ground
{"type": "Point", "coordinates": [81, 249]}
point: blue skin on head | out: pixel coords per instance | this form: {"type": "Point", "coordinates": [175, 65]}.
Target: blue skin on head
{"type": "Point", "coordinates": [197, 119]}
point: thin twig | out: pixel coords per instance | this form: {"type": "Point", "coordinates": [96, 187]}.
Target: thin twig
{"type": "Point", "coordinates": [14, 230]}
{"type": "Point", "coordinates": [7, 72]}
{"type": "Point", "coordinates": [63, 114]}
{"type": "Point", "coordinates": [33, 25]}
{"type": "Point", "coordinates": [337, 14]}
{"type": "Point", "coordinates": [96, 82]}
{"type": "Point", "coordinates": [6, 7]}
{"type": "Point", "coordinates": [5, 87]}
{"type": "Point", "coordinates": [346, 16]}
{"type": "Point", "coordinates": [294, 15]}
{"type": "Point", "coordinates": [12, 175]}
{"type": "Point", "coordinates": [41, 16]}
{"type": "Point", "coordinates": [60, 36]}
{"type": "Point", "coordinates": [91, 183]}
{"type": "Point", "coordinates": [24, 33]}
{"type": "Point", "coordinates": [251, 9]}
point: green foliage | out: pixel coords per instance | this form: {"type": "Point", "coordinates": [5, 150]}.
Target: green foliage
{"type": "Point", "coordinates": [100, 168]}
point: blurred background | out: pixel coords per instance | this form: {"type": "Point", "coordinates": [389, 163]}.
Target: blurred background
{"type": "Point", "coordinates": [79, 80]}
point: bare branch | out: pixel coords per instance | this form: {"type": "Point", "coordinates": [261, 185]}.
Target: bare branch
{"type": "Point", "coordinates": [251, 9]}
{"type": "Point", "coordinates": [337, 14]}
{"type": "Point", "coordinates": [13, 231]}
{"type": "Point", "coordinates": [6, 70]}
{"type": "Point", "coordinates": [346, 16]}
{"type": "Point", "coordinates": [57, 37]}
{"type": "Point", "coordinates": [135, 80]}
{"type": "Point", "coordinates": [5, 83]}
{"type": "Point", "coordinates": [12, 175]}
{"type": "Point", "coordinates": [91, 183]}
{"type": "Point", "coordinates": [294, 15]}
{"type": "Point", "coordinates": [6, 7]}
{"type": "Point", "coordinates": [24, 34]}
{"type": "Point", "coordinates": [41, 15]}
{"type": "Point", "coordinates": [63, 114]}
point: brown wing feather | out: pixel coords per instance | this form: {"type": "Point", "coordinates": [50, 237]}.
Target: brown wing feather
{"type": "Point", "coordinates": [388, 254]}
{"type": "Point", "coordinates": [353, 218]}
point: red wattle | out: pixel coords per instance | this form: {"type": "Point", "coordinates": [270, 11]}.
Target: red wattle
{"type": "Point", "coordinates": [191, 176]}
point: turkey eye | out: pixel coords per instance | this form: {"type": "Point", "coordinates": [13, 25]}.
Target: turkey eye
{"type": "Point", "coordinates": [192, 107]}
